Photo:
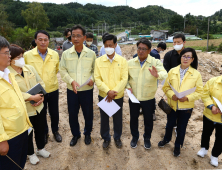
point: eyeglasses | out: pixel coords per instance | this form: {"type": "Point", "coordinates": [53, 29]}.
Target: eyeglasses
{"type": "Point", "coordinates": [77, 36]}
{"type": "Point", "coordinates": [186, 57]}
{"type": "Point", "coordinates": [7, 53]}
{"type": "Point", "coordinates": [141, 49]}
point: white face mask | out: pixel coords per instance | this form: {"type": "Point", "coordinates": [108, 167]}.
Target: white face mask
{"type": "Point", "coordinates": [109, 51]}
{"type": "Point", "coordinates": [20, 62]}
{"type": "Point", "coordinates": [89, 43]}
{"type": "Point", "coordinates": [178, 47]}
{"type": "Point", "coordinates": [161, 52]}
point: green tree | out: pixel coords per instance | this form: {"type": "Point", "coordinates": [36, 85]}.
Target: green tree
{"type": "Point", "coordinates": [176, 23]}
{"type": "Point", "coordinates": [6, 27]}
{"type": "Point", "coordinates": [35, 16]}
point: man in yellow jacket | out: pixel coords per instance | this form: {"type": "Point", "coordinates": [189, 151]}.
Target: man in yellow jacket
{"type": "Point", "coordinates": [14, 120]}
{"type": "Point", "coordinates": [144, 71]}
{"type": "Point", "coordinates": [46, 63]}
{"type": "Point", "coordinates": [76, 67]}
{"type": "Point", "coordinates": [111, 75]}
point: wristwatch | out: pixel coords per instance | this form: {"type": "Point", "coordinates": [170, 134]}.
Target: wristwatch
{"type": "Point", "coordinates": [210, 106]}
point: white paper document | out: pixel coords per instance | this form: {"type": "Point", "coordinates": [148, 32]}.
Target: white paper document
{"type": "Point", "coordinates": [30, 130]}
{"type": "Point", "coordinates": [132, 97]}
{"type": "Point", "coordinates": [85, 83]}
{"type": "Point", "coordinates": [109, 108]}
{"type": "Point", "coordinates": [218, 103]}
{"type": "Point", "coordinates": [184, 93]}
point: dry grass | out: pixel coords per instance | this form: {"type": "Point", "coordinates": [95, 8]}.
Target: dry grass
{"type": "Point", "coordinates": [199, 43]}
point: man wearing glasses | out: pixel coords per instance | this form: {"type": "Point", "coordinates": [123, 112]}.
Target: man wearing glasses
{"type": "Point", "coordinates": [14, 120]}
{"type": "Point", "coordinates": [144, 71]}
{"type": "Point", "coordinates": [76, 67]}
{"type": "Point", "coordinates": [46, 63]}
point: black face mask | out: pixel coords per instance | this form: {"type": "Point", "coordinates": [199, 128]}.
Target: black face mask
{"type": "Point", "coordinates": [69, 38]}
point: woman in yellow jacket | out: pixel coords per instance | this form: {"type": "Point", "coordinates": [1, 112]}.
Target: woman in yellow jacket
{"type": "Point", "coordinates": [27, 77]}
{"type": "Point", "coordinates": [212, 119]}
{"type": "Point", "coordinates": [181, 78]}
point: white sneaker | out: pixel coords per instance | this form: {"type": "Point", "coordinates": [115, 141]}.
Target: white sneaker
{"type": "Point", "coordinates": [43, 153]}
{"type": "Point", "coordinates": [33, 159]}
{"type": "Point", "coordinates": [214, 161]}
{"type": "Point", "coordinates": [202, 152]}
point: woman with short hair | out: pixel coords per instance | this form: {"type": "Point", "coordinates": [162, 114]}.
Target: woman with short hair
{"type": "Point", "coordinates": [27, 77]}
{"type": "Point", "coordinates": [182, 78]}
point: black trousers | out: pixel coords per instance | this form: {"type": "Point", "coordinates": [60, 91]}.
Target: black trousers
{"type": "Point", "coordinates": [85, 99]}
{"type": "Point", "coordinates": [117, 122]}
{"type": "Point", "coordinates": [38, 123]}
{"type": "Point", "coordinates": [18, 147]}
{"type": "Point", "coordinates": [148, 107]}
{"type": "Point", "coordinates": [52, 101]}
{"type": "Point", "coordinates": [181, 117]}
{"type": "Point", "coordinates": [208, 128]}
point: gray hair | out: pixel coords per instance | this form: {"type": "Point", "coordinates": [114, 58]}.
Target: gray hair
{"type": "Point", "coordinates": [3, 43]}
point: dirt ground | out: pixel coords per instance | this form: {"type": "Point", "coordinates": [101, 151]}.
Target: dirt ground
{"type": "Point", "coordinates": [81, 156]}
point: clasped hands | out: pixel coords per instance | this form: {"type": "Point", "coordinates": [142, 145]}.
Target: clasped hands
{"type": "Point", "coordinates": [183, 99]}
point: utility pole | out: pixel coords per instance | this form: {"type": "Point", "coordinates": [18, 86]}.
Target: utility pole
{"type": "Point", "coordinates": [184, 23]}
{"type": "Point", "coordinates": [114, 28]}
{"type": "Point", "coordinates": [197, 32]}
{"type": "Point", "coordinates": [208, 33]}
{"type": "Point", "coordinates": [126, 2]}
{"type": "Point", "coordinates": [105, 26]}
{"type": "Point", "coordinates": [121, 25]}
{"type": "Point", "coordinates": [92, 29]}
{"type": "Point", "coordinates": [98, 29]}
{"type": "Point", "coordinates": [102, 29]}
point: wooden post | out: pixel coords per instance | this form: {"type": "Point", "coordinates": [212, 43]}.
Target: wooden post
{"type": "Point", "coordinates": [208, 33]}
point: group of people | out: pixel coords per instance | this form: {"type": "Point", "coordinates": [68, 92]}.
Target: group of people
{"type": "Point", "coordinates": [20, 71]}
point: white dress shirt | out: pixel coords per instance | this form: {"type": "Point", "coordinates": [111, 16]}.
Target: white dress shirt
{"type": "Point", "coordinates": [4, 75]}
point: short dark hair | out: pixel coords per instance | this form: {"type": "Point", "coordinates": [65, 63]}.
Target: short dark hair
{"type": "Point", "coordinates": [106, 33]}
{"type": "Point", "coordinates": [67, 31]}
{"type": "Point", "coordinates": [194, 64]}
{"type": "Point", "coordinates": [145, 41]}
{"type": "Point", "coordinates": [79, 27]}
{"type": "Point", "coordinates": [3, 43]}
{"type": "Point", "coordinates": [109, 37]}
{"type": "Point", "coordinates": [15, 51]}
{"type": "Point", "coordinates": [180, 36]}
{"type": "Point", "coordinates": [162, 45]}
{"type": "Point", "coordinates": [89, 35]}
{"type": "Point", "coordinates": [33, 43]}
{"type": "Point", "coordinates": [43, 32]}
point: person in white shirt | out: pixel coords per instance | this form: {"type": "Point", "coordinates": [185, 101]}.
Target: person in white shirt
{"type": "Point", "coordinates": [102, 49]}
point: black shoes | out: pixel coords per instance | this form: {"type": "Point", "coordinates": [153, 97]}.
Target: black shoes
{"type": "Point", "coordinates": [88, 139]}
{"type": "Point", "coordinates": [118, 143]}
{"type": "Point", "coordinates": [74, 140]}
{"type": "Point", "coordinates": [57, 136]}
{"type": "Point", "coordinates": [147, 144]}
{"type": "Point", "coordinates": [46, 137]}
{"type": "Point", "coordinates": [106, 144]}
{"type": "Point", "coordinates": [162, 143]}
{"type": "Point", "coordinates": [133, 143]}
{"type": "Point", "coordinates": [176, 152]}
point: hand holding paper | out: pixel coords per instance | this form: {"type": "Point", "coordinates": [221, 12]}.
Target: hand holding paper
{"type": "Point", "coordinates": [109, 108]}
{"type": "Point", "coordinates": [132, 97]}
{"type": "Point", "coordinates": [184, 93]}
{"type": "Point", "coordinates": [219, 105]}
{"type": "Point", "coordinates": [85, 83]}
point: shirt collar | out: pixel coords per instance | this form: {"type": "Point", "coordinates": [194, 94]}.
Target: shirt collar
{"type": "Point", "coordinates": [142, 61]}
{"type": "Point", "coordinates": [41, 53]}
{"type": "Point", "coordinates": [111, 60]}
{"type": "Point", "coordinates": [6, 72]}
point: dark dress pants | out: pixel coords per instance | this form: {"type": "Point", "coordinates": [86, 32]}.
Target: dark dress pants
{"type": "Point", "coordinates": [117, 122]}
{"type": "Point", "coordinates": [85, 100]}
{"type": "Point", "coordinates": [148, 108]}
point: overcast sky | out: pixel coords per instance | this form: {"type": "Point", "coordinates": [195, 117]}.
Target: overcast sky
{"type": "Point", "coordinates": [182, 7]}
